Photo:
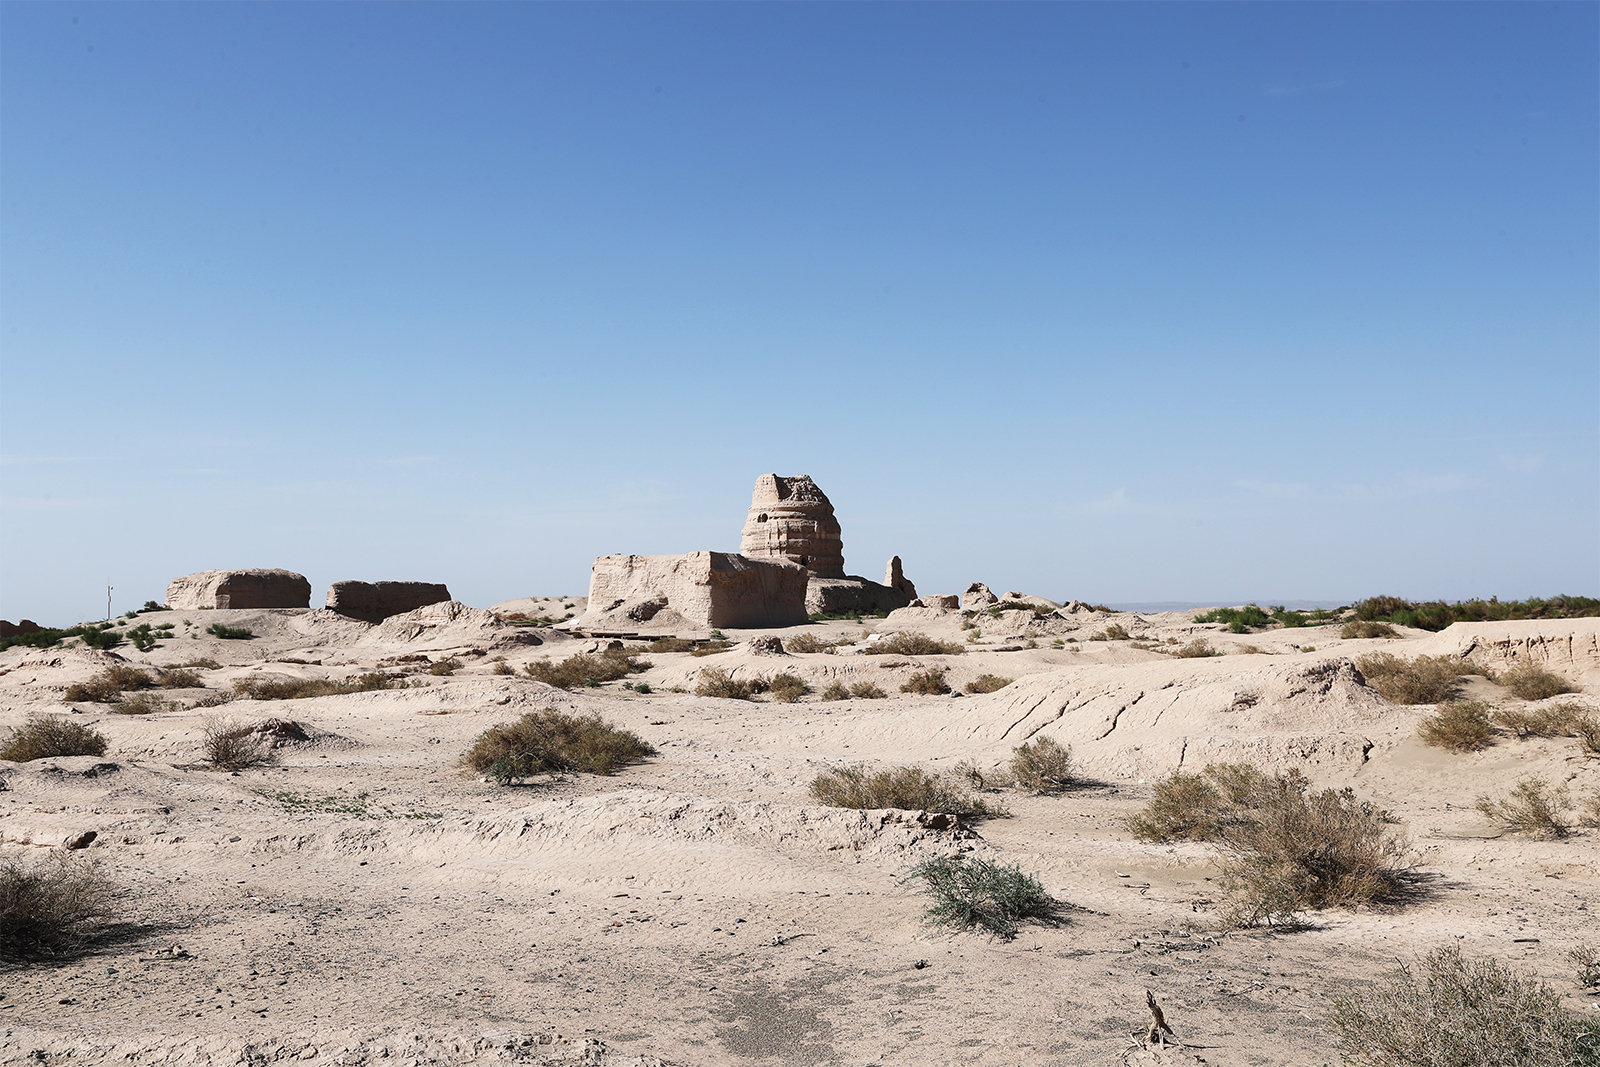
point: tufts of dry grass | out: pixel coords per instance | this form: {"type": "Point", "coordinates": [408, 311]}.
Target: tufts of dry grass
{"type": "Point", "coordinates": [1530, 682]}
{"type": "Point", "coordinates": [553, 742]}
{"type": "Point", "coordinates": [584, 669]}
{"type": "Point", "coordinates": [229, 745]}
{"type": "Point", "coordinates": [1361, 628]}
{"type": "Point", "coordinates": [786, 688]}
{"type": "Point", "coordinates": [1458, 726]}
{"type": "Point", "coordinates": [1042, 765]}
{"type": "Point", "coordinates": [1453, 1011]}
{"type": "Point", "coordinates": [1424, 680]}
{"type": "Point", "coordinates": [1531, 808]}
{"type": "Point", "coordinates": [142, 704]}
{"type": "Point", "coordinates": [1199, 648]}
{"type": "Point", "coordinates": [304, 688]}
{"type": "Point", "coordinates": [1286, 849]}
{"type": "Point", "coordinates": [912, 643]}
{"type": "Point", "coordinates": [109, 684]}
{"type": "Point", "coordinates": [51, 906]}
{"type": "Point", "coordinates": [1565, 719]}
{"type": "Point", "coordinates": [813, 643]}
{"type": "Point", "coordinates": [911, 788]}
{"type": "Point", "coordinates": [717, 682]}
{"type": "Point", "coordinates": [860, 690]}
{"type": "Point", "coordinates": [987, 683]}
{"type": "Point", "coordinates": [42, 736]}
{"type": "Point", "coordinates": [928, 683]}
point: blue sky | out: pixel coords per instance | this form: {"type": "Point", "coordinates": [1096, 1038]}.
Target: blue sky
{"type": "Point", "coordinates": [1122, 302]}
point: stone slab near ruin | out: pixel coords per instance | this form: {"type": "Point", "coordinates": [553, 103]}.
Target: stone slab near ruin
{"type": "Point", "coordinates": [792, 520]}
{"type": "Point", "coordinates": [260, 587]}
{"type": "Point", "coordinates": [376, 601]}
{"type": "Point", "coordinates": [712, 589]}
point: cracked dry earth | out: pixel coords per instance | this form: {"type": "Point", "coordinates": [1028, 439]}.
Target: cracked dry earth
{"type": "Point", "coordinates": [360, 900]}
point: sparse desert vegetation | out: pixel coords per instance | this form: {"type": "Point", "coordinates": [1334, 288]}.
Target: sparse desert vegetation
{"type": "Point", "coordinates": [912, 643]}
{"type": "Point", "coordinates": [1532, 682]}
{"type": "Point", "coordinates": [969, 892]}
{"type": "Point", "coordinates": [1459, 726]}
{"type": "Point", "coordinates": [986, 683]}
{"type": "Point", "coordinates": [858, 690]}
{"type": "Point", "coordinates": [553, 742]}
{"type": "Point", "coordinates": [42, 736]}
{"type": "Point", "coordinates": [584, 669]}
{"type": "Point", "coordinates": [911, 788]}
{"type": "Point", "coordinates": [229, 745]}
{"type": "Point", "coordinates": [52, 905]}
{"type": "Point", "coordinates": [1360, 628]}
{"type": "Point", "coordinates": [1454, 1010]}
{"type": "Point", "coordinates": [928, 683]}
{"type": "Point", "coordinates": [280, 688]}
{"type": "Point", "coordinates": [1532, 807]}
{"type": "Point", "coordinates": [1423, 680]}
{"type": "Point", "coordinates": [1042, 765]}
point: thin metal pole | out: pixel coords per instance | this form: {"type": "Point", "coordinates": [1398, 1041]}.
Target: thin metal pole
{"type": "Point", "coordinates": [108, 603]}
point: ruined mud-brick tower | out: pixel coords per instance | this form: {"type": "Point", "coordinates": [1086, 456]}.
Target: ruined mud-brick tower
{"type": "Point", "coordinates": [791, 519]}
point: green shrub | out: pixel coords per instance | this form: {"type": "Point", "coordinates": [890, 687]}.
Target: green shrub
{"type": "Point", "coordinates": [1461, 1012]}
{"type": "Point", "coordinates": [1239, 620]}
{"type": "Point", "coordinates": [717, 682]}
{"type": "Point", "coordinates": [911, 788]}
{"type": "Point", "coordinates": [41, 736]}
{"type": "Point", "coordinates": [1285, 850]}
{"type": "Point", "coordinates": [786, 688]}
{"type": "Point", "coordinates": [229, 633]}
{"type": "Point", "coordinates": [1436, 615]}
{"type": "Point", "coordinates": [1459, 726]}
{"type": "Point", "coordinates": [1533, 683]}
{"type": "Point", "coordinates": [1360, 628]}
{"type": "Point", "coordinates": [1424, 680]}
{"type": "Point", "coordinates": [928, 683]}
{"type": "Point", "coordinates": [232, 746]}
{"type": "Point", "coordinates": [969, 892]}
{"type": "Point", "coordinates": [1042, 765]}
{"type": "Point", "coordinates": [553, 742]}
{"type": "Point", "coordinates": [912, 643]}
{"type": "Point", "coordinates": [52, 906]}
{"type": "Point", "coordinates": [584, 669]}
{"type": "Point", "coordinates": [1531, 808]}
{"type": "Point", "coordinates": [987, 683]}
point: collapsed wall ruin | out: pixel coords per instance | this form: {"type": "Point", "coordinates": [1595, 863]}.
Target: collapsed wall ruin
{"type": "Point", "coordinates": [260, 587]}
{"type": "Point", "coordinates": [376, 601]}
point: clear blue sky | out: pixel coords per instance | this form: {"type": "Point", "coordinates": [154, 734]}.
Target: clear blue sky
{"type": "Point", "coordinates": [1123, 302]}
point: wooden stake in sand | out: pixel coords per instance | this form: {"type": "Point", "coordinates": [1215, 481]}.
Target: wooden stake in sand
{"type": "Point", "coordinates": [1158, 1023]}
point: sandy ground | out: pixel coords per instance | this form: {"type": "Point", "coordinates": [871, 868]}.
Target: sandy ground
{"type": "Point", "coordinates": [362, 900]}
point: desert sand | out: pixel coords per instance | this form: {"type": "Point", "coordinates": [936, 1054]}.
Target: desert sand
{"type": "Point", "coordinates": [361, 899]}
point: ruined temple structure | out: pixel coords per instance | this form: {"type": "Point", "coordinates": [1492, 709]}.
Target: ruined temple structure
{"type": "Point", "coordinates": [259, 587]}
{"type": "Point", "coordinates": [791, 519]}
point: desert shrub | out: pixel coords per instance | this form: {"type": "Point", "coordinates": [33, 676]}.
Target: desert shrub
{"type": "Point", "coordinates": [1587, 727]}
{"type": "Point", "coordinates": [1362, 628]}
{"type": "Point", "coordinates": [1530, 682]}
{"type": "Point", "coordinates": [969, 892]}
{"type": "Point", "coordinates": [1113, 632]}
{"type": "Point", "coordinates": [787, 688]}
{"type": "Point", "coordinates": [1042, 765]}
{"type": "Point", "coordinates": [813, 643]}
{"type": "Point", "coordinates": [142, 704]}
{"type": "Point", "coordinates": [836, 691]}
{"type": "Point", "coordinates": [1286, 849]}
{"type": "Point", "coordinates": [302, 688]}
{"type": "Point", "coordinates": [203, 663]}
{"type": "Point", "coordinates": [179, 678]}
{"type": "Point", "coordinates": [109, 683]}
{"type": "Point", "coordinates": [1436, 615]}
{"type": "Point", "coordinates": [1424, 680]}
{"type": "Point", "coordinates": [229, 633]}
{"type": "Point", "coordinates": [911, 788]}
{"type": "Point", "coordinates": [717, 682]}
{"type": "Point", "coordinates": [41, 736]}
{"type": "Point", "coordinates": [584, 669]}
{"type": "Point", "coordinates": [1554, 720]}
{"type": "Point", "coordinates": [551, 741]}
{"type": "Point", "coordinates": [101, 637]}
{"type": "Point", "coordinates": [867, 691]}
{"type": "Point", "coordinates": [711, 648]}
{"type": "Point", "coordinates": [1590, 815]}
{"type": "Point", "coordinates": [503, 668]}
{"type": "Point", "coordinates": [987, 683]}
{"type": "Point", "coordinates": [912, 643]}
{"type": "Point", "coordinates": [1461, 1012]}
{"type": "Point", "coordinates": [444, 667]}
{"type": "Point", "coordinates": [1239, 620]}
{"type": "Point", "coordinates": [928, 683]}
{"type": "Point", "coordinates": [52, 905]}
{"type": "Point", "coordinates": [1459, 726]}
{"type": "Point", "coordinates": [670, 644]}
{"type": "Point", "coordinates": [1587, 959]}
{"type": "Point", "coordinates": [1532, 807]}
{"type": "Point", "coordinates": [1199, 648]}
{"type": "Point", "coordinates": [229, 745]}
{"type": "Point", "coordinates": [1039, 610]}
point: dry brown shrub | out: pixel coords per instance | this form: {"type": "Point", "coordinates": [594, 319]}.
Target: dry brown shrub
{"type": "Point", "coordinates": [867, 691]}
{"type": "Point", "coordinates": [552, 741]}
{"type": "Point", "coordinates": [110, 683]}
{"type": "Point", "coordinates": [912, 643]}
{"type": "Point", "coordinates": [229, 745]}
{"type": "Point", "coordinates": [1530, 682]}
{"type": "Point", "coordinates": [1199, 648]}
{"type": "Point", "coordinates": [813, 643]}
{"type": "Point", "coordinates": [1532, 808]}
{"type": "Point", "coordinates": [911, 788]}
{"type": "Point", "coordinates": [928, 683]}
{"type": "Point", "coordinates": [786, 688]}
{"type": "Point", "coordinates": [1554, 720]}
{"type": "Point", "coordinates": [1587, 727]}
{"type": "Point", "coordinates": [42, 736]}
{"type": "Point", "coordinates": [1458, 726]}
{"type": "Point", "coordinates": [836, 691]}
{"type": "Point", "coordinates": [142, 704]}
{"type": "Point", "coordinates": [987, 683]}
{"type": "Point", "coordinates": [1042, 765]}
{"type": "Point", "coordinates": [51, 906]}
{"type": "Point", "coordinates": [444, 667]}
{"type": "Point", "coordinates": [180, 678]}
{"type": "Point", "coordinates": [1367, 629]}
{"type": "Point", "coordinates": [1424, 680]}
{"type": "Point", "coordinates": [584, 669]}
{"type": "Point", "coordinates": [717, 682]}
